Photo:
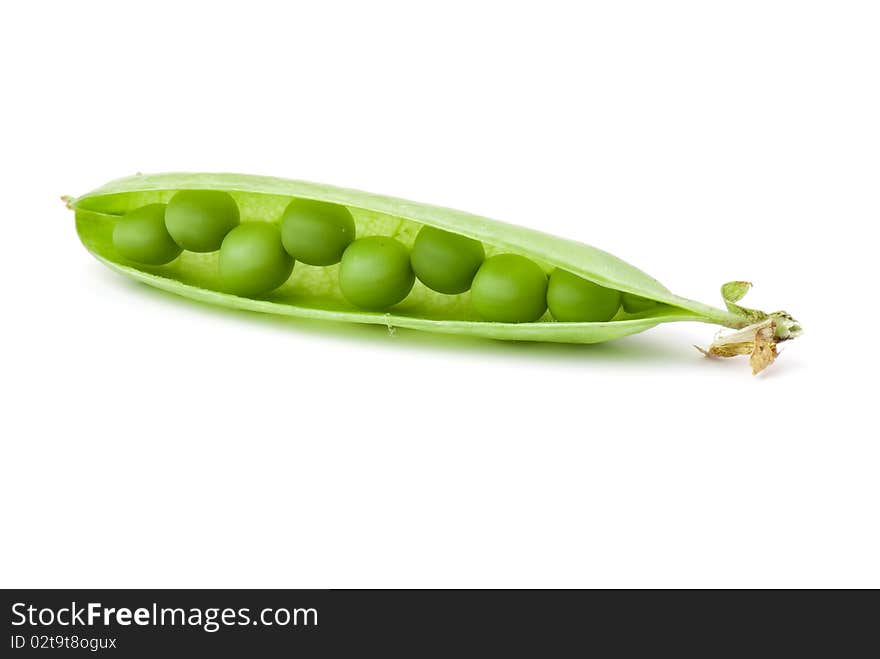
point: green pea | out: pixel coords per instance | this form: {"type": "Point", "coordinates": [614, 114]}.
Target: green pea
{"type": "Point", "coordinates": [198, 220]}
{"type": "Point", "coordinates": [253, 260]}
{"type": "Point", "coordinates": [636, 303]}
{"type": "Point", "coordinates": [510, 288]}
{"type": "Point", "coordinates": [375, 273]}
{"type": "Point", "coordinates": [316, 232]}
{"type": "Point", "coordinates": [576, 300]}
{"type": "Point", "coordinates": [446, 262]}
{"type": "Point", "coordinates": [140, 235]}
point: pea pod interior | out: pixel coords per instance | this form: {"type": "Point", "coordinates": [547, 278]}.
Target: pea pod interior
{"type": "Point", "coordinates": [313, 291]}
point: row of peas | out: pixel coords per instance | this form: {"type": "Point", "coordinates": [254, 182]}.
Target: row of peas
{"type": "Point", "coordinates": [374, 273]}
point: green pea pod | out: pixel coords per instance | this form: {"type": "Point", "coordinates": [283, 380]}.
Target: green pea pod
{"type": "Point", "coordinates": [313, 292]}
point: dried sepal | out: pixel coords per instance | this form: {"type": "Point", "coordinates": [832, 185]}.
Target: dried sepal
{"type": "Point", "coordinates": [757, 340]}
{"type": "Point", "coordinates": [764, 351]}
{"type": "Point", "coordinates": [729, 349]}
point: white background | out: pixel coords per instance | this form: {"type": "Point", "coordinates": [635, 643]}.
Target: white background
{"type": "Point", "coordinates": [151, 441]}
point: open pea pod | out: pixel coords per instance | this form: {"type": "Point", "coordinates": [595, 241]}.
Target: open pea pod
{"type": "Point", "coordinates": [313, 292]}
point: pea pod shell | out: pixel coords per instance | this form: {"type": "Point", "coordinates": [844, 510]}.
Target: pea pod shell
{"type": "Point", "coordinates": [96, 209]}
